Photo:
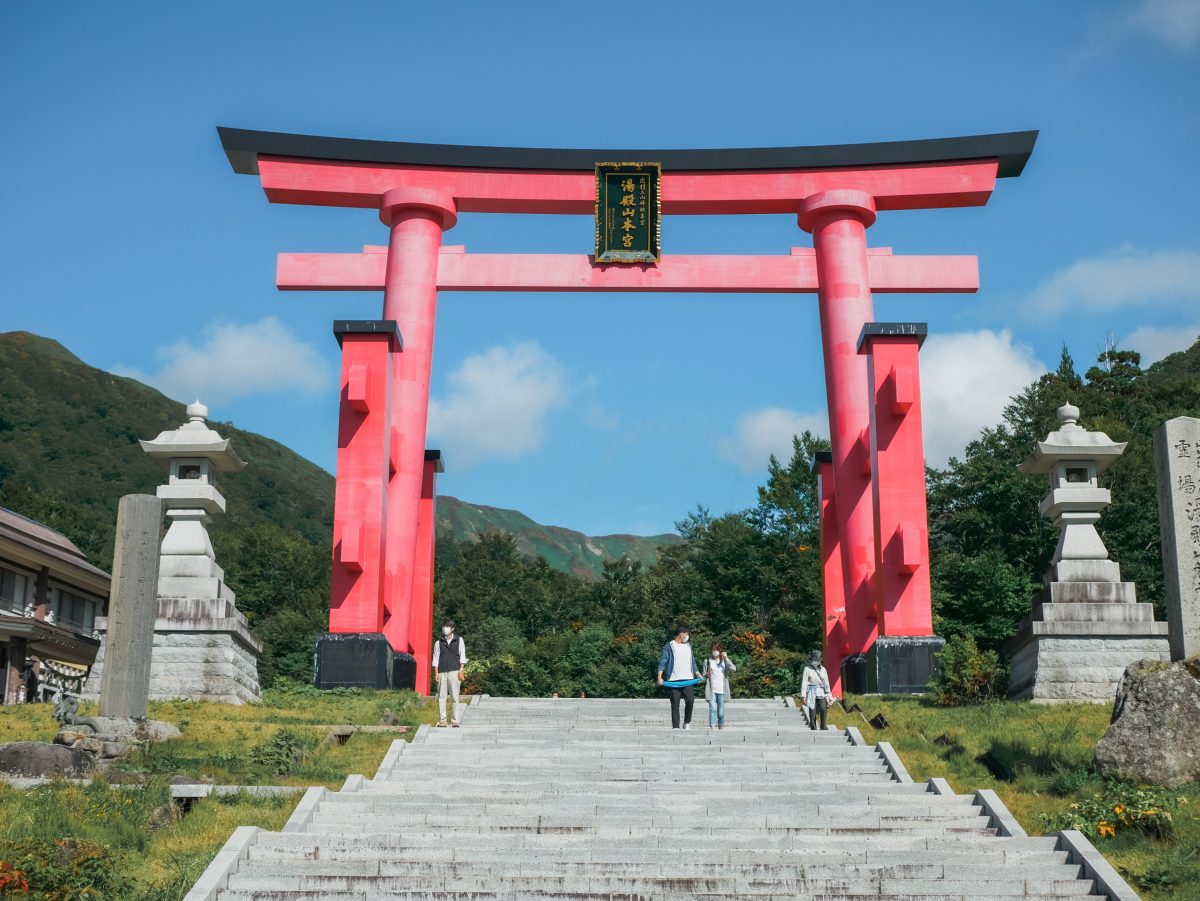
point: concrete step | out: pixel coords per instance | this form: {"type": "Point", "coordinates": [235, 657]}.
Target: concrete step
{"type": "Point", "coordinates": [587, 800]}
{"type": "Point", "coordinates": [654, 885]}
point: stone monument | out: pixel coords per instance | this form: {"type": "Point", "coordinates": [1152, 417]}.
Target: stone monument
{"type": "Point", "coordinates": [203, 647]}
{"type": "Point", "coordinates": [1177, 460]}
{"type": "Point", "coordinates": [1087, 625]}
{"type": "Point", "coordinates": [125, 684]}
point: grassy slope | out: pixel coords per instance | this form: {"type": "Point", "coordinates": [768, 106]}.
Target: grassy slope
{"type": "Point", "coordinates": [1049, 748]}
{"type": "Point", "coordinates": [66, 426]}
{"type": "Point", "coordinates": [219, 740]}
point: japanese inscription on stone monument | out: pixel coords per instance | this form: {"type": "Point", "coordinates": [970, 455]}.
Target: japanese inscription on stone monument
{"type": "Point", "coordinates": [1177, 459]}
{"type": "Point", "coordinates": [628, 212]}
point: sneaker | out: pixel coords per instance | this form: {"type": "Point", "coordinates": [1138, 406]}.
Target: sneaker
{"type": "Point", "coordinates": [441, 724]}
{"type": "Point", "coordinates": [711, 726]}
{"type": "Point", "coordinates": [720, 727]}
{"type": "Point", "coordinates": [687, 725]}
{"type": "Point", "coordinates": [456, 725]}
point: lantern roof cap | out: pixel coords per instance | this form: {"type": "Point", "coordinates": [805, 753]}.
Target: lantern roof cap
{"type": "Point", "coordinates": [1072, 441]}
{"type": "Point", "coordinates": [195, 439]}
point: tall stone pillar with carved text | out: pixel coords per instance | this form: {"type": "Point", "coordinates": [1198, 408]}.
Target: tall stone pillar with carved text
{"type": "Point", "coordinates": [417, 218]}
{"type": "Point", "coordinates": [838, 220]}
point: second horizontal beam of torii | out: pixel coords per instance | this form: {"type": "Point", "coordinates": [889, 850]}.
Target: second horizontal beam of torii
{"type": "Point", "coordinates": [713, 274]}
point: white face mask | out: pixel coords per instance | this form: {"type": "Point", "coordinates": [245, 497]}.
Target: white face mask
{"type": "Point", "coordinates": [446, 630]}
{"type": "Point", "coordinates": [716, 655]}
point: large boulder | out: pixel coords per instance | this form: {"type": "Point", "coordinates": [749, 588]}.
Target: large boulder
{"type": "Point", "coordinates": [36, 758]}
{"type": "Point", "coordinates": [1155, 724]}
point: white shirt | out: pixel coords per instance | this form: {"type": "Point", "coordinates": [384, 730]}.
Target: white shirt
{"type": "Point", "coordinates": [683, 668]}
{"type": "Point", "coordinates": [716, 676]}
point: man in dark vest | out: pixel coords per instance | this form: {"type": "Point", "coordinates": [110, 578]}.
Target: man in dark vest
{"type": "Point", "coordinates": [449, 658]}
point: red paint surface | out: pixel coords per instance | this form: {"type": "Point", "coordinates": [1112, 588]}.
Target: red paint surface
{"type": "Point", "coordinates": [795, 273]}
{"type": "Point", "coordinates": [419, 203]}
{"type": "Point", "coordinates": [838, 221]}
{"type": "Point", "coordinates": [360, 503]}
{"type": "Point", "coordinates": [902, 591]}
{"type": "Point", "coordinates": [837, 643]}
{"type": "Point", "coordinates": [416, 220]}
{"type": "Point", "coordinates": [421, 611]}
{"type": "Point", "coordinates": [899, 187]}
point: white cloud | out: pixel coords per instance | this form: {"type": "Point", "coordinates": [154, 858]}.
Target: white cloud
{"type": "Point", "coordinates": [1125, 277]}
{"type": "Point", "coordinates": [498, 403]}
{"type": "Point", "coordinates": [760, 433]}
{"type": "Point", "coordinates": [1175, 23]}
{"type": "Point", "coordinates": [234, 361]}
{"type": "Point", "coordinates": [1154, 343]}
{"type": "Point", "coordinates": [967, 379]}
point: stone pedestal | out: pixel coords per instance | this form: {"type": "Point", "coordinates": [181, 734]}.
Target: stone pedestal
{"type": "Point", "coordinates": [1082, 635]}
{"type": "Point", "coordinates": [903, 664]}
{"type": "Point", "coordinates": [203, 651]}
{"type": "Point", "coordinates": [354, 660]}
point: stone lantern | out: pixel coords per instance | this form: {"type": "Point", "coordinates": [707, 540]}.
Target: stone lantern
{"type": "Point", "coordinates": [193, 454]}
{"type": "Point", "coordinates": [1087, 624]}
{"type": "Point", "coordinates": [203, 647]}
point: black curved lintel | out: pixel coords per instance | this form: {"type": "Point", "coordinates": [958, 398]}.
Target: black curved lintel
{"type": "Point", "coordinates": [243, 147]}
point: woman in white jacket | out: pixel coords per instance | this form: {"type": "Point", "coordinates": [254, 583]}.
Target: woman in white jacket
{"type": "Point", "coordinates": [716, 670]}
{"type": "Point", "coordinates": [814, 685]}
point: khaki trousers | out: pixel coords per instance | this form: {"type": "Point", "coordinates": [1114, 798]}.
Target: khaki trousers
{"type": "Point", "coordinates": [448, 682]}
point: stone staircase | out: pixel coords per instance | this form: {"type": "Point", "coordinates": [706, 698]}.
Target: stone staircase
{"type": "Point", "coordinates": [600, 799]}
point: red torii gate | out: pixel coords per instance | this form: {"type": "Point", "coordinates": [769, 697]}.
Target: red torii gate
{"type": "Point", "coordinates": [383, 522]}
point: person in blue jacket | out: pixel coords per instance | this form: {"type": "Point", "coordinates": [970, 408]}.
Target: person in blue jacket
{"type": "Point", "coordinates": [678, 663]}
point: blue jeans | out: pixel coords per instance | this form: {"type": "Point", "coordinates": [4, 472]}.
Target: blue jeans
{"type": "Point", "coordinates": [716, 710]}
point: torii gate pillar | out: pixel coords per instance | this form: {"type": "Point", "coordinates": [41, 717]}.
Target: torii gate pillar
{"type": "Point", "coordinates": [838, 220]}
{"type": "Point", "coordinates": [417, 217]}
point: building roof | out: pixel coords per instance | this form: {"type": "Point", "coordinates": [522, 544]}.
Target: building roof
{"type": "Point", "coordinates": [42, 541]}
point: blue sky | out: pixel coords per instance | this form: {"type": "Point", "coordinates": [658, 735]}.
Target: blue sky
{"type": "Point", "coordinates": [125, 234]}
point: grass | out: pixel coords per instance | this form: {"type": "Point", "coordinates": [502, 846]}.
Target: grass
{"type": "Point", "coordinates": [1048, 751]}
{"type": "Point", "coordinates": [74, 840]}
{"type": "Point", "coordinates": [156, 857]}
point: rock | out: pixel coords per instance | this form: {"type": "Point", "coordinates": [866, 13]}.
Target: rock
{"type": "Point", "coordinates": [112, 728]}
{"type": "Point", "coordinates": [1156, 719]}
{"type": "Point", "coordinates": [121, 777]}
{"type": "Point", "coordinates": [122, 729]}
{"type": "Point", "coordinates": [157, 730]}
{"type": "Point", "coordinates": [36, 758]}
{"type": "Point", "coordinates": [91, 745]}
{"type": "Point", "coordinates": [117, 748]}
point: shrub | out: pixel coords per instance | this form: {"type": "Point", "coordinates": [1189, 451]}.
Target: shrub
{"type": "Point", "coordinates": [1120, 807]}
{"type": "Point", "coordinates": [283, 752]}
{"type": "Point", "coordinates": [968, 675]}
{"type": "Point", "coordinates": [66, 869]}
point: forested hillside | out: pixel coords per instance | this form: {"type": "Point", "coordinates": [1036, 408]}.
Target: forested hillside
{"type": "Point", "coordinates": [69, 451]}
{"type": "Point", "coordinates": [749, 578]}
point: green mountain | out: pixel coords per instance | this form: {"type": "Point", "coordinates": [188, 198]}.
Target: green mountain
{"type": "Point", "coordinates": [564, 549]}
{"type": "Point", "coordinates": [69, 451]}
